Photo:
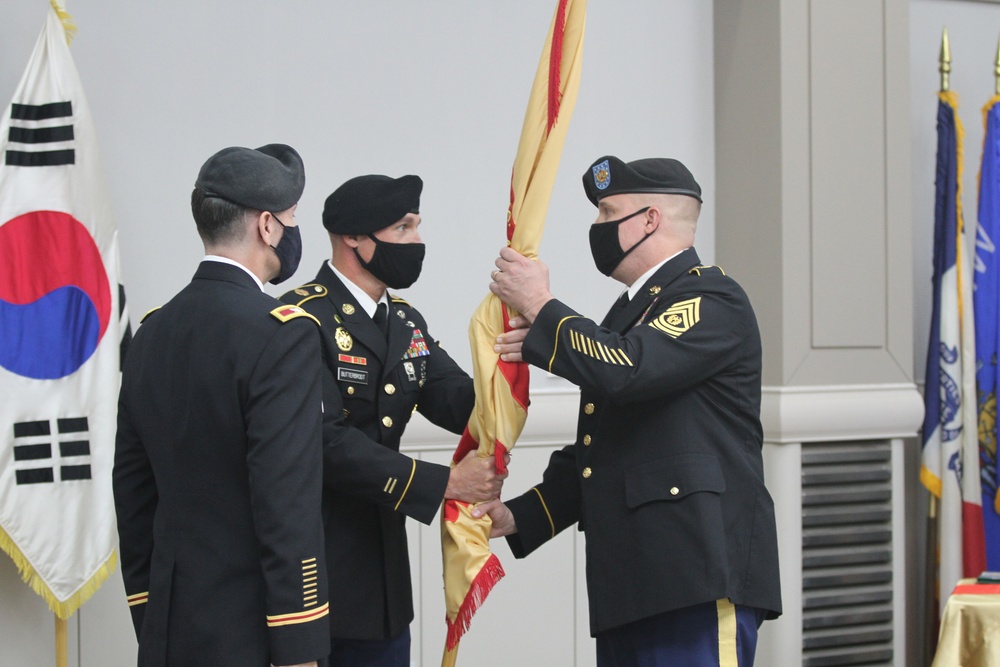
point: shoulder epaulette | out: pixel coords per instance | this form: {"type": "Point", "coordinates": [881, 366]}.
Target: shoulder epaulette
{"type": "Point", "coordinates": [286, 313]}
{"type": "Point", "coordinates": [398, 299]}
{"type": "Point", "coordinates": [698, 269]}
{"type": "Point", "coordinates": [148, 313]}
{"type": "Point", "coordinates": [310, 291]}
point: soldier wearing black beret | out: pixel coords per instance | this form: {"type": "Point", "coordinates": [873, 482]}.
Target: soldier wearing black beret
{"type": "Point", "coordinates": [218, 453]}
{"type": "Point", "coordinates": [666, 475]}
{"type": "Point", "coordinates": [381, 364]}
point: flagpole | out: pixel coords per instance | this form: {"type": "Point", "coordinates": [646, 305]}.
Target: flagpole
{"type": "Point", "coordinates": [945, 60]}
{"type": "Point", "coordinates": [61, 654]}
{"type": "Point", "coordinates": [996, 70]}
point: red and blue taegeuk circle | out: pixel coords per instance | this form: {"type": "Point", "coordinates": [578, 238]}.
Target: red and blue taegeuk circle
{"type": "Point", "coordinates": [55, 299]}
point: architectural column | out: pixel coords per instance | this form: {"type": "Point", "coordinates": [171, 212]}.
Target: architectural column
{"type": "Point", "coordinates": [813, 219]}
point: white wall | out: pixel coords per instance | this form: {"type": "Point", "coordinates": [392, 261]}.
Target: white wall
{"type": "Point", "coordinates": [433, 88]}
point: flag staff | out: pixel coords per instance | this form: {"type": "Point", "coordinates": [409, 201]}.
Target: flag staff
{"type": "Point", "coordinates": [945, 61]}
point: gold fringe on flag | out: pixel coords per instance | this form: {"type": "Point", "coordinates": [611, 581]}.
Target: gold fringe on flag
{"type": "Point", "coordinates": [61, 608]}
{"type": "Point", "coordinates": [66, 19]}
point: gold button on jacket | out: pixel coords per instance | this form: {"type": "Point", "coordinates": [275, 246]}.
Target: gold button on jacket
{"type": "Point", "coordinates": [390, 389]}
{"type": "Point", "coordinates": [587, 472]}
{"type": "Point", "coordinates": [586, 439]}
{"type": "Point", "coordinates": [387, 422]}
{"type": "Point", "coordinates": [589, 408]}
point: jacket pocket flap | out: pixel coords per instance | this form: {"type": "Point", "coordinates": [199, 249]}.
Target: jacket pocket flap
{"type": "Point", "coordinates": [672, 479]}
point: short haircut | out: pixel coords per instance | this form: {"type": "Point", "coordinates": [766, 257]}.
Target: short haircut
{"type": "Point", "coordinates": [219, 221]}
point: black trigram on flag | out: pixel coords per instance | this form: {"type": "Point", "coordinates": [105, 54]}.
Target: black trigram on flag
{"type": "Point", "coordinates": [39, 453]}
{"type": "Point", "coordinates": [46, 133]}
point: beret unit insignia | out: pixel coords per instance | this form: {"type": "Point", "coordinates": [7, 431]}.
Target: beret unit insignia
{"type": "Point", "coordinates": [602, 175]}
{"type": "Point", "coordinates": [679, 317]}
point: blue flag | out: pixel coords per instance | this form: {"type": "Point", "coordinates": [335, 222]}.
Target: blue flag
{"type": "Point", "coordinates": [987, 310]}
{"type": "Point", "coordinates": [950, 456]}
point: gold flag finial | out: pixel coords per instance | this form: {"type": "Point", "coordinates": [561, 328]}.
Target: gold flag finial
{"type": "Point", "coordinates": [945, 61]}
{"type": "Point", "coordinates": [67, 21]}
{"type": "Point", "coordinates": [996, 69]}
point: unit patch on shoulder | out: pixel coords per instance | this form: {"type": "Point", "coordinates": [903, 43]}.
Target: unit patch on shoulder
{"type": "Point", "coordinates": [679, 317]}
{"type": "Point", "coordinates": [286, 313]}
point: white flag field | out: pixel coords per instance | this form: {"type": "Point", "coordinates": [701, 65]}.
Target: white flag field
{"type": "Point", "coordinates": [63, 327]}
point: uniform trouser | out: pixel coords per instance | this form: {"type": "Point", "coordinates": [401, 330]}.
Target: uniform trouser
{"type": "Point", "coordinates": [394, 652]}
{"type": "Point", "coordinates": [712, 634]}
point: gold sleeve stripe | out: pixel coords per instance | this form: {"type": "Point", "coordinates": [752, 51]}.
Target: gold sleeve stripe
{"type": "Point", "coordinates": [601, 349]}
{"type": "Point", "coordinates": [625, 356]}
{"type": "Point", "coordinates": [590, 348]}
{"type": "Point", "coordinates": [308, 579]}
{"type": "Point", "coordinates": [572, 339]}
{"type": "Point", "coordinates": [555, 347]}
{"type": "Point", "coordinates": [614, 357]}
{"type": "Point", "coordinates": [309, 560]}
{"type": "Point", "coordinates": [413, 471]}
{"type": "Point", "coordinates": [546, 508]}
{"type": "Point", "coordinates": [298, 617]}
{"type": "Point", "coordinates": [138, 598]}
{"type": "Point", "coordinates": [390, 485]}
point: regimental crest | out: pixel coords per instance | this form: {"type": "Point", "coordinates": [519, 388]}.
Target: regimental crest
{"type": "Point", "coordinates": [343, 338]}
{"type": "Point", "coordinates": [602, 175]}
{"type": "Point", "coordinates": [679, 317]}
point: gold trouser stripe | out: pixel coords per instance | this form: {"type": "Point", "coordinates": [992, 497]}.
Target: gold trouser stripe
{"type": "Point", "coordinates": [727, 633]}
{"type": "Point", "coordinates": [413, 471]}
{"type": "Point", "coordinates": [546, 508]}
{"type": "Point", "coordinates": [555, 347]}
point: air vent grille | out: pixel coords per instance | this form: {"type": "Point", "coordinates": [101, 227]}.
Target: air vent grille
{"type": "Point", "coordinates": [847, 554]}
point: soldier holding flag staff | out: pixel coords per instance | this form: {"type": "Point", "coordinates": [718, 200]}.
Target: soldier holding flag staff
{"type": "Point", "coordinates": [217, 475]}
{"type": "Point", "coordinates": [666, 475]}
{"type": "Point", "coordinates": [382, 365]}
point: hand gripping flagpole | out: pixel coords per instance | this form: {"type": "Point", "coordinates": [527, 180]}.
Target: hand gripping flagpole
{"type": "Point", "coordinates": [470, 570]}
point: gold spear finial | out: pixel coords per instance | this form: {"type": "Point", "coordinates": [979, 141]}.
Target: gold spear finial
{"type": "Point", "coordinates": [945, 61]}
{"type": "Point", "coordinates": [996, 69]}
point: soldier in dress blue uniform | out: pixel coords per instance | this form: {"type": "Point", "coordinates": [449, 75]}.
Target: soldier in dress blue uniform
{"type": "Point", "coordinates": [382, 364]}
{"type": "Point", "coordinates": [218, 453]}
{"type": "Point", "coordinates": [666, 476]}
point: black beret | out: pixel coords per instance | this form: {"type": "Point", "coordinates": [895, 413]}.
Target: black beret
{"type": "Point", "coordinates": [610, 176]}
{"type": "Point", "coordinates": [366, 204]}
{"type": "Point", "coordinates": [269, 178]}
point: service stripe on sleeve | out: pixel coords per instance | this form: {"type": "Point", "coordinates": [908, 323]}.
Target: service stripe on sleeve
{"type": "Point", "coordinates": [298, 617]}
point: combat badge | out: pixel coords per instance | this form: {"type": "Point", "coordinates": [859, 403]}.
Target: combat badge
{"type": "Point", "coordinates": [679, 317]}
{"type": "Point", "coordinates": [343, 338]}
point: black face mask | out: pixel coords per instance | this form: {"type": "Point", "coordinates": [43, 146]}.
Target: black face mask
{"type": "Point", "coordinates": [289, 252]}
{"type": "Point", "coordinates": [604, 245]}
{"type": "Point", "coordinates": [396, 264]}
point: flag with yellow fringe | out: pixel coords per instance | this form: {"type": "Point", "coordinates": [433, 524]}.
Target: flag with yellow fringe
{"type": "Point", "coordinates": [470, 569]}
{"type": "Point", "coordinates": [63, 329]}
